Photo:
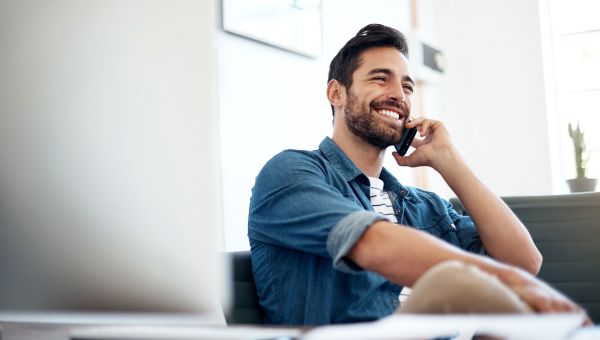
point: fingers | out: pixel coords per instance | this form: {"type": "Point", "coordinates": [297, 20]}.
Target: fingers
{"type": "Point", "coordinates": [432, 144]}
{"type": "Point", "coordinates": [410, 160]}
{"type": "Point", "coordinates": [559, 302]}
{"type": "Point", "coordinates": [546, 300]}
{"type": "Point", "coordinates": [402, 161]}
{"type": "Point", "coordinates": [416, 143]}
{"type": "Point", "coordinates": [423, 125]}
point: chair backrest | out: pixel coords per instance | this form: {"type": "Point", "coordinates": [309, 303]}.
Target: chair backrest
{"type": "Point", "coordinates": [245, 307]}
{"type": "Point", "coordinates": [566, 229]}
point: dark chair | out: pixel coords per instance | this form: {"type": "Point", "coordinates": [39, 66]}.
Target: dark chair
{"type": "Point", "coordinates": [566, 229]}
{"type": "Point", "coordinates": [245, 308]}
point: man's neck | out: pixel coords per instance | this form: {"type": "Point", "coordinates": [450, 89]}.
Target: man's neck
{"type": "Point", "coordinates": [368, 158]}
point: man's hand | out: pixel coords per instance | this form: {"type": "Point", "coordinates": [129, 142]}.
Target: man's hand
{"type": "Point", "coordinates": [537, 294]}
{"type": "Point", "coordinates": [434, 148]}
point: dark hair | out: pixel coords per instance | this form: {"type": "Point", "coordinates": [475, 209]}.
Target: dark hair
{"type": "Point", "coordinates": [374, 35]}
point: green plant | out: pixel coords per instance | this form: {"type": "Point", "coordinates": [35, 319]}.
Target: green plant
{"type": "Point", "coordinates": [581, 157]}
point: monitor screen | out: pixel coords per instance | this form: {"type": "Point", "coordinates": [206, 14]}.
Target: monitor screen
{"type": "Point", "coordinates": [109, 177]}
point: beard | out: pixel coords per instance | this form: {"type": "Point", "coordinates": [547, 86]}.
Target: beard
{"type": "Point", "coordinates": [369, 129]}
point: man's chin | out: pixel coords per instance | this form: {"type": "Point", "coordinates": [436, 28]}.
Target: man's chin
{"type": "Point", "coordinates": [380, 143]}
{"type": "Point", "coordinates": [384, 143]}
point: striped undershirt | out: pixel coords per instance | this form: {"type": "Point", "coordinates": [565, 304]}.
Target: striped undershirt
{"type": "Point", "coordinates": [380, 200]}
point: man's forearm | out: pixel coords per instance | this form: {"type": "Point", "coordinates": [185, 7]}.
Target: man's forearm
{"type": "Point", "coordinates": [503, 235]}
{"type": "Point", "coordinates": [402, 254]}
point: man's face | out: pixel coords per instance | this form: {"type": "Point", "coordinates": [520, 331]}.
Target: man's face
{"type": "Point", "coordinates": [379, 100]}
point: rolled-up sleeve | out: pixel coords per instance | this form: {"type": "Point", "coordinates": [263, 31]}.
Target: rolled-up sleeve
{"type": "Point", "coordinates": [345, 234]}
{"type": "Point", "coordinates": [293, 205]}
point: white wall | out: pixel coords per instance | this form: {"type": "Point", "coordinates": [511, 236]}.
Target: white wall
{"type": "Point", "coordinates": [271, 100]}
{"type": "Point", "coordinates": [492, 96]}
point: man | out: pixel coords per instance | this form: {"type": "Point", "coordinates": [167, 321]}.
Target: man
{"type": "Point", "coordinates": [334, 236]}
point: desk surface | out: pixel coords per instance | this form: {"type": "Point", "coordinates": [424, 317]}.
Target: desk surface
{"type": "Point", "coordinates": [549, 326]}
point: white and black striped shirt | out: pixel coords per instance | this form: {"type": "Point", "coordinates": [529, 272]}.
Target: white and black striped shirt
{"type": "Point", "coordinates": [380, 200]}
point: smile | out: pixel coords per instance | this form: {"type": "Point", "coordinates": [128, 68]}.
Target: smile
{"type": "Point", "coordinates": [389, 113]}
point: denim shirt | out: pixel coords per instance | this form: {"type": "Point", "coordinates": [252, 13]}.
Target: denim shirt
{"type": "Point", "coordinates": [308, 209]}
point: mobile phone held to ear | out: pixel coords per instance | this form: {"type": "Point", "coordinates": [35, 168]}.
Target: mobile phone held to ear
{"type": "Point", "coordinates": [407, 137]}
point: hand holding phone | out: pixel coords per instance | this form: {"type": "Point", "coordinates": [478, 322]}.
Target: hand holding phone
{"type": "Point", "coordinates": [407, 137]}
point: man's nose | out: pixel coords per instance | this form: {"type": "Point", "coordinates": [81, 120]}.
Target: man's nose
{"type": "Point", "coordinates": [397, 95]}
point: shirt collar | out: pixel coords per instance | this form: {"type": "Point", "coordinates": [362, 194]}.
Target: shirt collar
{"type": "Point", "coordinates": [339, 159]}
{"type": "Point", "coordinates": [349, 171]}
{"type": "Point", "coordinates": [391, 183]}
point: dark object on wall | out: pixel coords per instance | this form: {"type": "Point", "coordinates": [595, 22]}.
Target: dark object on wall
{"type": "Point", "coordinates": [433, 58]}
{"type": "Point", "coordinates": [566, 229]}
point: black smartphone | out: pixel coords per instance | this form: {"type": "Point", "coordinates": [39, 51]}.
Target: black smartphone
{"type": "Point", "coordinates": [407, 137]}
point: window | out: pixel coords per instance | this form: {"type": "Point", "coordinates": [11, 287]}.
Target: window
{"type": "Point", "coordinates": [575, 41]}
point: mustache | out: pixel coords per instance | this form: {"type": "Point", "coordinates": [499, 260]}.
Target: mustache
{"type": "Point", "coordinates": [388, 103]}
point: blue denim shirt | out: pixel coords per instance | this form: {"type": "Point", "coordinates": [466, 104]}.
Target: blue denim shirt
{"type": "Point", "coordinates": [308, 209]}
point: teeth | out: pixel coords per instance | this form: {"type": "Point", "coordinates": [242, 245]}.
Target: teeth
{"type": "Point", "coordinates": [389, 113]}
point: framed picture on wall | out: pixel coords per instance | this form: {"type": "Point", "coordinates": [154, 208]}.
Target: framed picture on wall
{"type": "Point", "coordinates": [292, 25]}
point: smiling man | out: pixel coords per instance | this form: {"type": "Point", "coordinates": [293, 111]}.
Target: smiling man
{"type": "Point", "coordinates": [335, 237]}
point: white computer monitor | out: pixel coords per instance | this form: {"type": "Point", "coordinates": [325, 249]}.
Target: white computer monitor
{"type": "Point", "coordinates": [109, 178]}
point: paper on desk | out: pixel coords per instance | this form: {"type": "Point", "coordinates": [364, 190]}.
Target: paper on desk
{"type": "Point", "coordinates": [414, 326]}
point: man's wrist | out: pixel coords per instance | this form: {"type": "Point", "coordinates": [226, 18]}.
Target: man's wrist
{"type": "Point", "coordinates": [448, 162]}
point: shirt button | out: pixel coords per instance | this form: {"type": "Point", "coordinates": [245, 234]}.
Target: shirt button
{"type": "Point", "coordinates": [403, 193]}
{"type": "Point", "coordinates": [397, 211]}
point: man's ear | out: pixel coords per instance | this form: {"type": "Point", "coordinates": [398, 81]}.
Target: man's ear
{"type": "Point", "coordinates": [336, 93]}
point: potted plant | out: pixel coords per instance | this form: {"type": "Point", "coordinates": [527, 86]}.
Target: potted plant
{"type": "Point", "coordinates": [581, 183]}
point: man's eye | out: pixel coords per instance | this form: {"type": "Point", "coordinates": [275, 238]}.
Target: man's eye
{"type": "Point", "coordinates": [379, 78]}
{"type": "Point", "coordinates": [409, 88]}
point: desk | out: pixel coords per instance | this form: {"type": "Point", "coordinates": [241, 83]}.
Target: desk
{"type": "Point", "coordinates": [458, 327]}
{"type": "Point", "coordinates": [548, 327]}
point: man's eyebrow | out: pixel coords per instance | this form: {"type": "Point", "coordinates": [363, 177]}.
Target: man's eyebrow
{"type": "Point", "coordinates": [380, 70]}
{"type": "Point", "coordinates": [387, 71]}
